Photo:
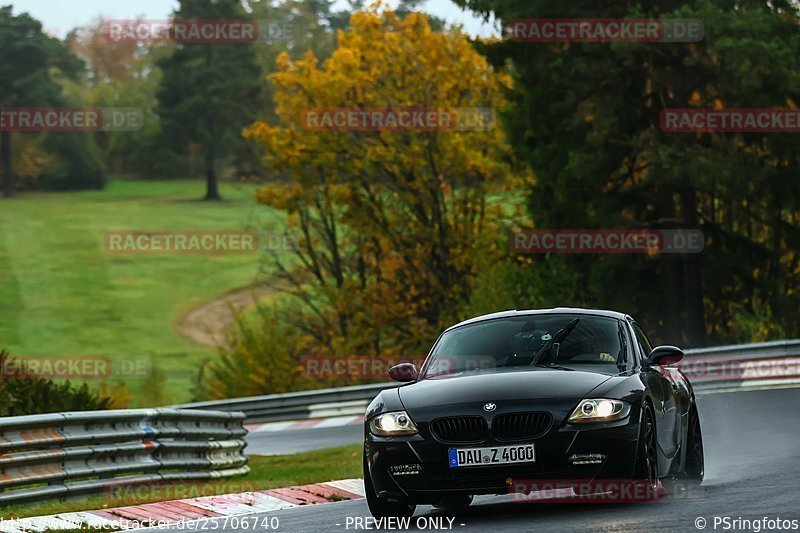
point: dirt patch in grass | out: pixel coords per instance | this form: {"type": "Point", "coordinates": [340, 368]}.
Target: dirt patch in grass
{"type": "Point", "coordinates": [206, 324]}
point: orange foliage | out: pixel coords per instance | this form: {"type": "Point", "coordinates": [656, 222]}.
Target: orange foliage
{"type": "Point", "coordinates": [389, 223]}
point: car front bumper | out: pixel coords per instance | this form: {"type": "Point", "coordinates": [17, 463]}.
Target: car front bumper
{"type": "Point", "coordinates": [417, 468]}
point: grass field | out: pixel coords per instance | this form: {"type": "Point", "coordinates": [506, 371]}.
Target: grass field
{"type": "Point", "coordinates": [266, 472]}
{"type": "Point", "coordinates": [62, 294]}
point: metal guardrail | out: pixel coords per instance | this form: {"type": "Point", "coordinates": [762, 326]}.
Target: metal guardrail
{"type": "Point", "coordinates": [755, 350]}
{"type": "Point", "coordinates": [299, 405]}
{"type": "Point", "coordinates": [62, 455]}
{"type": "Point", "coordinates": [73, 454]}
{"type": "Point", "coordinates": [742, 366]}
{"type": "Point", "coordinates": [702, 365]}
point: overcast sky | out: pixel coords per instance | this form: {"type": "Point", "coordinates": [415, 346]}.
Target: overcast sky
{"type": "Point", "coordinates": [59, 16]}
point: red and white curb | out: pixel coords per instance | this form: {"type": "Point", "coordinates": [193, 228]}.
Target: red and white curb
{"type": "Point", "coordinates": [179, 511]}
{"type": "Point", "coordinates": [332, 422]}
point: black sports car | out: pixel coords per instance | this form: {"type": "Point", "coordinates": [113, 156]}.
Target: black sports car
{"type": "Point", "coordinates": [565, 394]}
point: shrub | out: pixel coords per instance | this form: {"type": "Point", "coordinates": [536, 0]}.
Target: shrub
{"type": "Point", "coordinates": [30, 396]}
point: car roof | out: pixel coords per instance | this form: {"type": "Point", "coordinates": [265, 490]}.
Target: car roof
{"type": "Point", "coordinates": [553, 311]}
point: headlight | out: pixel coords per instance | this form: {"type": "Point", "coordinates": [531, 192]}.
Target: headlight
{"type": "Point", "coordinates": [390, 424]}
{"type": "Point", "coordinates": [600, 410]}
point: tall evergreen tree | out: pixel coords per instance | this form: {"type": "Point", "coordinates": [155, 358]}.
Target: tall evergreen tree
{"type": "Point", "coordinates": [585, 116]}
{"type": "Point", "coordinates": [209, 90]}
{"type": "Point", "coordinates": [26, 55]}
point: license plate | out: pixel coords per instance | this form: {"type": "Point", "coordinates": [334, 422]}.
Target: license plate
{"type": "Point", "coordinates": [498, 455]}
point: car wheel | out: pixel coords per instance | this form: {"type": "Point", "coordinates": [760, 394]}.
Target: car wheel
{"type": "Point", "coordinates": [694, 467]}
{"type": "Point", "coordinates": [646, 472]}
{"type": "Point", "coordinates": [454, 503]}
{"type": "Point", "coordinates": [381, 507]}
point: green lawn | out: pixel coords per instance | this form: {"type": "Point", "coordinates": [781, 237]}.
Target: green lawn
{"type": "Point", "coordinates": [62, 294]}
{"type": "Point", "coordinates": [266, 472]}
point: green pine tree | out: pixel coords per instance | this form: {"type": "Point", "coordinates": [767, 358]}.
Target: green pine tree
{"type": "Point", "coordinates": [26, 57]}
{"type": "Point", "coordinates": [209, 91]}
{"type": "Point", "coordinates": [585, 117]}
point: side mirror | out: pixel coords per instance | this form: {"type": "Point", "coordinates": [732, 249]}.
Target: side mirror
{"type": "Point", "coordinates": [403, 372]}
{"type": "Point", "coordinates": [665, 355]}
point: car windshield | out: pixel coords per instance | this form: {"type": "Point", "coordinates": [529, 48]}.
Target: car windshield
{"type": "Point", "coordinates": [530, 342]}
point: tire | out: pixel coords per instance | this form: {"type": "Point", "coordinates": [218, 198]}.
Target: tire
{"type": "Point", "coordinates": [646, 468]}
{"type": "Point", "coordinates": [454, 503]}
{"type": "Point", "coordinates": [694, 463]}
{"type": "Point", "coordinates": [381, 507]}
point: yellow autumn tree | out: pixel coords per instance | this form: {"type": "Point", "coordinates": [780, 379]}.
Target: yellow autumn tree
{"type": "Point", "coordinates": [29, 159]}
{"type": "Point", "coordinates": [389, 222]}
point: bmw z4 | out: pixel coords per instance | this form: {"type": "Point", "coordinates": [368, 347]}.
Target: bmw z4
{"type": "Point", "coordinates": [577, 395]}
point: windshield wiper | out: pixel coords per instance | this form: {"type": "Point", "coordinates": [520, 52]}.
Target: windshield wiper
{"type": "Point", "coordinates": [558, 337]}
{"type": "Point", "coordinates": [554, 366]}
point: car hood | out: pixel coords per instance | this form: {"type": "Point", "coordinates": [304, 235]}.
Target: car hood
{"type": "Point", "coordinates": [522, 386]}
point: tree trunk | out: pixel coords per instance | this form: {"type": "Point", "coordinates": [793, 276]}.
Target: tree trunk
{"type": "Point", "coordinates": [210, 146]}
{"type": "Point", "coordinates": [693, 277]}
{"type": "Point", "coordinates": [212, 191]}
{"type": "Point", "coordinates": [8, 171]}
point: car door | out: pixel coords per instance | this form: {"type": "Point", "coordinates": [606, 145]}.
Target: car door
{"type": "Point", "coordinates": [668, 413]}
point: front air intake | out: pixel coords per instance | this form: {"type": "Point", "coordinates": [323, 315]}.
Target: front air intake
{"type": "Point", "coordinates": [517, 426]}
{"type": "Point", "coordinates": [460, 429]}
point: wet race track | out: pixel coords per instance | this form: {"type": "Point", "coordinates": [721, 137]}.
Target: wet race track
{"type": "Point", "coordinates": [752, 450]}
{"type": "Point", "coordinates": [303, 440]}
